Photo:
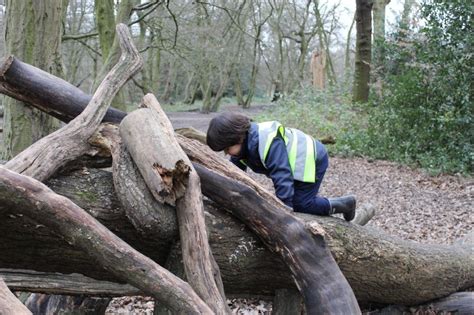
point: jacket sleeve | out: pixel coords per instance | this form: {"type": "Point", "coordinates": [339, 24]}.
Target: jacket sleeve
{"type": "Point", "coordinates": [238, 163]}
{"type": "Point", "coordinates": [279, 171]}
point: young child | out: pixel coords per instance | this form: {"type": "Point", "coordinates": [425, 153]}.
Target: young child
{"type": "Point", "coordinates": [294, 161]}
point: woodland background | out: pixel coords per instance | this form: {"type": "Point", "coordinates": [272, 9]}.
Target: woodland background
{"type": "Point", "coordinates": [403, 94]}
{"type": "Point", "coordinates": [397, 91]}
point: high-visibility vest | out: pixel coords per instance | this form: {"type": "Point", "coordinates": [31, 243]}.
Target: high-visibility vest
{"type": "Point", "coordinates": [300, 148]}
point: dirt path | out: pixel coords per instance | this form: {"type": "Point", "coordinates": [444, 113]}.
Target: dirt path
{"type": "Point", "coordinates": [410, 204]}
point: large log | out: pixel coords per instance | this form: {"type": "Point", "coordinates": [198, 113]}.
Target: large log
{"type": "Point", "coordinates": [381, 269]}
{"type": "Point", "coordinates": [80, 229]}
{"type": "Point", "coordinates": [461, 265]}
{"type": "Point", "coordinates": [37, 87]}
{"type": "Point", "coordinates": [149, 137]}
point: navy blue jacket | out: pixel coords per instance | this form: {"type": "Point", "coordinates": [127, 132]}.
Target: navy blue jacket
{"type": "Point", "coordinates": [278, 166]}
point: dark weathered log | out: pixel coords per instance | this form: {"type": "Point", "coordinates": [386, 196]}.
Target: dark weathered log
{"type": "Point", "coordinates": [65, 304]}
{"type": "Point", "coordinates": [319, 279]}
{"type": "Point", "coordinates": [45, 156]}
{"type": "Point", "coordinates": [82, 230]}
{"type": "Point", "coordinates": [35, 87]}
{"type": "Point", "coordinates": [9, 304]}
{"type": "Point", "coordinates": [316, 274]}
{"type": "Point", "coordinates": [369, 246]}
{"type": "Point", "coordinates": [171, 178]}
{"type": "Point", "coordinates": [461, 303]}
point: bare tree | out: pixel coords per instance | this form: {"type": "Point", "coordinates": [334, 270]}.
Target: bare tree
{"type": "Point", "coordinates": [33, 33]}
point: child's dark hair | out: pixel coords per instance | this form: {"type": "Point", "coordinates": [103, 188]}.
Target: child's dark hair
{"type": "Point", "coordinates": [227, 129]}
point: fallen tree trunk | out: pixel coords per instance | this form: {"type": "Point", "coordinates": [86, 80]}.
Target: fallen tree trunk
{"type": "Point", "coordinates": [379, 268]}
{"type": "Point", "coordinates": [80, 229]}
{"type": "Point", "coordinates": [37, 87]}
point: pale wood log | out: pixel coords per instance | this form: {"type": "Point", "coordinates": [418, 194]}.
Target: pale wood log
{"type": "Point", "coordinates": [364, 213]}
{"type": "Point", "coordinates": [171, 178]}
{"type": "Point", "coordinates": [150, 217]}
{"type": "Point", "coordinates": [192, 133]}
{"type": "Point", "coordinates": [195, 134]}
{"type": "Point", "coordinates": [82, 230]}
{"type": "Point", "coordinates": [318, 69]}
{"type": "Point", "coordinates": [159, 160]}
{"type": "Point", "coordinates": [9, 304]}
{"type": "Point", "coordinates": [45, 156]}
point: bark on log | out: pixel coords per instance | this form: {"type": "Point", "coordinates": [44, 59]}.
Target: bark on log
{"type": "Point", "coordinates": [172, 179]}
{"type": "Point", "coordinates": [68, 284]}
{"type": "Point", "coordinates": [381, 269]}
{"type": "Point", "coordinates": [151, 218]}
{"type": "Point", "coordinates": [460, 303]}
{"type": "Point", "coordinates": [82, 230]}
{"type": "Point", "coordinates": [36, 87]}
{"type": "Point", "coordinates": [64, 304]}
{"type": "Point", "coordinates": [9, 304]}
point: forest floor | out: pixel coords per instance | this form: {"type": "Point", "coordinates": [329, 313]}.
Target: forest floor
{"type": "Point", "coordinates": [409, 203]}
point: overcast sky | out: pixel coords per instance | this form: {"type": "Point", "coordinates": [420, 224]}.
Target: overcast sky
{"type": "Point", "coordinates": [393, 10]}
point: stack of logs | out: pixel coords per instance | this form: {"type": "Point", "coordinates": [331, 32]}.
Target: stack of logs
{"type": "Point", "coordinates": [118, 237]}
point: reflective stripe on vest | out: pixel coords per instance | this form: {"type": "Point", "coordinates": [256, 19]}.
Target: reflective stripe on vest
{"type": "Point", "coordinates": [300, 148]}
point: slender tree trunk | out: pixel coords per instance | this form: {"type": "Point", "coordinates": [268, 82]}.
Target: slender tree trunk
{"type": "Point", "coordinates": [123, 16]}
{"type": "Point", "coordinates": [324, 44]}
{"type": "Point", "coordinates": [206, 91]}
{"type": "Point", "coordinates": [239, 95]}
{"type": "Point", "coordinates": [405, 18]}
{"type": "Point", "coordinates": [169, 83]}
{"type": "Point", "coordinates": [379, 44]}
{"type": "Point", "coordinates": [347, 55]}
{"type": "Point", "coordinates": [105, 22]}
{"type": "Point", "coordinates": [363, 58]}
{"type": "Point", "coordinates": [33, 33]}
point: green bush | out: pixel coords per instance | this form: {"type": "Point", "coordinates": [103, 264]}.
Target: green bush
{"type": "Point", "coordinates": [426, 114]}
{"type": "Point", "coordinates": [322, 114]}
